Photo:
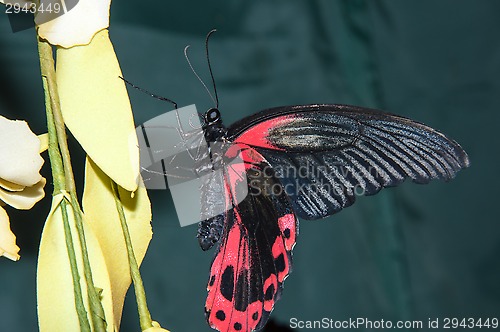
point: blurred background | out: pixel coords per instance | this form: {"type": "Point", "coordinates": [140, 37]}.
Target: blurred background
{"type": "Point", "coordinates": [409, 253]}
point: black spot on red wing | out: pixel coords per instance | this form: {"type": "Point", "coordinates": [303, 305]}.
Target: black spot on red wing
{"type": "Point", "coordinates": [255, 315]}
{"type": "Point", "coordinates": [280, 263]}
{"type": "Point", "coordinates": [241, 296]}
{"type": "Point", "coordinates": [237, 326]}
{"type": "Point", "coordinates": [227, 283]}
{"type": "Point", "coordinates": [269, 295]}
{"type": "Point", "coordinates": [286, 233]}
{"type": "Point", "coordinates": [220, 315]}
{"type": "Point", "coordinates": [212, 280]}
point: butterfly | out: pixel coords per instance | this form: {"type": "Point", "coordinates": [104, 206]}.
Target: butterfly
{"type": "Point", "coordinates": [302, 161]}
{"type": "Point", "coordinates": [310, 162]}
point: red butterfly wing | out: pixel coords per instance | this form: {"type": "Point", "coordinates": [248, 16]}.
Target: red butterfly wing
{"type": "Point", "coordinates": [255, 252]}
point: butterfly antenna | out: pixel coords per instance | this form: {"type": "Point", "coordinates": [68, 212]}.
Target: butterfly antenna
{"type": "Point", "coordinates": [196, 74]}
{"type": "Point", "coordinates": [149, 93]}
{"type": "Point", "coordinates": [210, 67]}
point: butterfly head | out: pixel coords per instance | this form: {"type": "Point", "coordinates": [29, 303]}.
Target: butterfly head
{"type": "Point", "coordinates": [212, 116]}
{"type": "Point", "coordinates": [214, 128]}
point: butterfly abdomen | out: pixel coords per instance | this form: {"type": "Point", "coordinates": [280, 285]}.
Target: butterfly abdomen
{"type": "Point", "coordinates": [209, 231]}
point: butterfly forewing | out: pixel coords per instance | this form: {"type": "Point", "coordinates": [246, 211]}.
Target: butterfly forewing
{"type": "Point", "coordinates": [326, 155]}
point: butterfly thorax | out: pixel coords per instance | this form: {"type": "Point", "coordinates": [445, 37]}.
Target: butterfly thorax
{"type": "Point", "coordinates": [211, 224]}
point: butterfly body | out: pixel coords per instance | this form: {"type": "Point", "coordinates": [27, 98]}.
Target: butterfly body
{"type": "Point", "coordinates": [308, 161]}
{"type": "Point", "coordinates": [210, 229]}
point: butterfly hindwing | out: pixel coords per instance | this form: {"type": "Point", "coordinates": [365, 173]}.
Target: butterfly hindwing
{"type": "Point", "coordinates": [326, 155]}
{"type": "Point", "coordinates": [254, 255]}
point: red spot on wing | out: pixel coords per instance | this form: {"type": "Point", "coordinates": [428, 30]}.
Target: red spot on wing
{"type": "Point", "coordinates": [258, 134]}
{"type": "Point", "coordinates": [288, 228]}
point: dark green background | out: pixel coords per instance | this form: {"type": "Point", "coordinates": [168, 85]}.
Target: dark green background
{"type": "Point", "coordinates": [414, 252]}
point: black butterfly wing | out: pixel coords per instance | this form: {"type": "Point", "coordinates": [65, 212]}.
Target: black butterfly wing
{"type": "Point", "coordinates": [254, 255]}
{"type": "Point", "coordinates": [325, 155]}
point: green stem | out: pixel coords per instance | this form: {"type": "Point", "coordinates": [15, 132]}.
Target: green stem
{"type": "Point", "coordinates": [64, 168]}
{"type": "Point", "coordinates": [59, 185]}
{"type": "Point", "coordinates": [98, 315]}
{"type": "Point", "coordinates": [140, 293]}
{"type": "Point", "coordinates": [80, 306]}
{"type": "Point", "coordinates": [54, 154]}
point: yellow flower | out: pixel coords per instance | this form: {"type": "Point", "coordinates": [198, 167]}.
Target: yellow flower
{"type": "Point", "coordinates": [21, 184]}
{"type": "Point", "coordinates": [96, 109]}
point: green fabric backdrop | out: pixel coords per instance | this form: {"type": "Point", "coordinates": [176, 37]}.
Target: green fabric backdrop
{"type": "Point", "coordinates": [413, 252]}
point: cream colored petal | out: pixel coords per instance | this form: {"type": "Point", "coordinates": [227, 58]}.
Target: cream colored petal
{"type": "Point", "coordinates": [156, 328]}
{"type": "Point", "coordinates": [10, 186]}
{"type": "Point", "coordinates": [97, 110]}
{"type": "Point", "coordinates": [20, 160]}
{"type": "Point", "coordinates": [44, 142]}
{"type": "Point", "coordinates": [76, 26]}
{"type": "Point", "coordinates": [8, 246]}
{"type": "Point", "coordinates": [24, 200]}
{"type": "Point", "coordinates": [99, 207]}
{"type": "Point", "coordinates": [55, 295]}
